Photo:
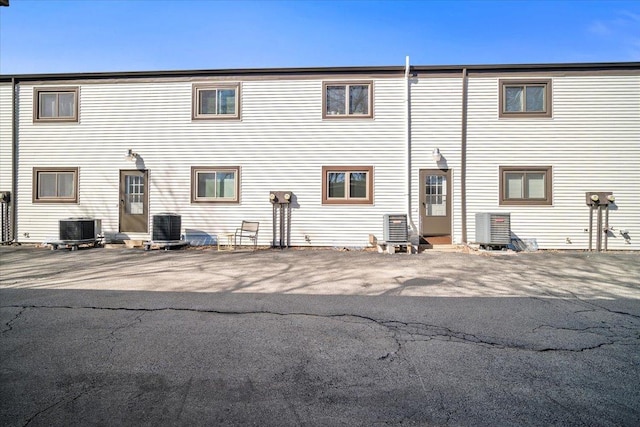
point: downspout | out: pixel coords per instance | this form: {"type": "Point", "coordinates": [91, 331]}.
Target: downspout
{"type": "Point", "coordinates": [14, 162]}
{"type": "Point", "coordinates": [463, 156]}
{"type": "Point", "coordinates": [407, 133]}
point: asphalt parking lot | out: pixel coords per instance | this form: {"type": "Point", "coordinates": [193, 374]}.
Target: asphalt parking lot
{"type": "Point", "coordinates": [318, 337]}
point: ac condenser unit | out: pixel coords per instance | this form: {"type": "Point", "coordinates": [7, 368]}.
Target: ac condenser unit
{"type": "Point", "coordinates": [80, 229]}
{"type": "Point", "coordinates": [395, 228]}
{"type": "Point", "coordinates": [493, 229]}
{"type": "Point", "coordinates": [166, 226]}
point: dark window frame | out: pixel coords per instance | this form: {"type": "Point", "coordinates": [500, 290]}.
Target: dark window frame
{"type": "Point", "coordinates": [194, 184]}
{"type": "Point", "coordinates": [326, 200]}
{"type": "Point", "coordinates": [195, 98]}
{"type": "Point", "coordinates": [347, 115]}
{"type": "Point", "coordinates": [548, 182]}
{"type": "Point", "coordinates": [38, 91]}
{"type": "Point", "coordinates": [548, 95]}
{"type": "Point", "coordinates": [36, 198]}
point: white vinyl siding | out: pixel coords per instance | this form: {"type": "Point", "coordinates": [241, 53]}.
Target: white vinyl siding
{"type": "Point", "coordinates": [6, 144]}
{"type": "Point", "coordinates": [591, 143]}
{"type": "Point", "coordinates": [436, 122]}
{"type": "Point", "coordinates": [282, 147]}
{"type": "Point", "coordinates": [282, 141]}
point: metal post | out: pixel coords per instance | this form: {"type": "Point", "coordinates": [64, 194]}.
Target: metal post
{"type": "Point", "coordinates": [590, 227]}
{"type": "Point", "coordinates": [5, 222]}
{"type": "Point", "coordinates": [606, 227]}
{"type": "Point", "coordinates": [273, 242]}
{"type": "Point", "coordinates": [463, 154]}
{"type": "Point", "coordinates": [599, 230]}
{"type": "Point", "coordinates": [288, 225]}
{"type": "Point", "coordinates": [281, 225]}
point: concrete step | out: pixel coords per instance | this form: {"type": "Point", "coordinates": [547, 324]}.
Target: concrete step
{"type": "Point", "coordinates": [441, 248]}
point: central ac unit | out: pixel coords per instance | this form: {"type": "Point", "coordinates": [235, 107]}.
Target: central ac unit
{"type": "Point", "coordinates": [80, 229]}
{"type": "Point", "coordinates": [166, 226]}
{"type": "Point", "coordinates": [493, 229]}
{"type": "Point", "coordinates": [395, 228]}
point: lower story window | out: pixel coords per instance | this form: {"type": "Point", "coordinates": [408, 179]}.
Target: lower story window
{"type": "Point", "coordinates": [55, 185]}
{"type": "Point", "coordinates": [525, 185]}
{"type": "Point", "coordinates": [347, 184]}
{"type": "Point", "coordinates": [214, 184]}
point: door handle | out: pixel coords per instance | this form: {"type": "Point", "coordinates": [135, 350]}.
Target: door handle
{"type": "Point", "coordinates": [122, 202]}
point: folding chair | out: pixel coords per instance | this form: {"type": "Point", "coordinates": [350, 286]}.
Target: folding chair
{"type": "Point", "coordinates": [248, 230]}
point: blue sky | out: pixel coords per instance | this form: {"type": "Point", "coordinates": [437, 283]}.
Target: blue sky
{"type": "Point", "coordinates": [50, 36]}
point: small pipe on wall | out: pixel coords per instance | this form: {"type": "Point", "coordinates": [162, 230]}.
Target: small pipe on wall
{"type": "Point", "coordinates": [463, 156]}
{"type": "Point", "coordinates": [407, 76]}
{"type": "Point", "coordinates": [14, 162]}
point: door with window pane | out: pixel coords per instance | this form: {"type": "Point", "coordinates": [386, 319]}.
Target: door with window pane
{"type": "Point", "coordinates": [435, 203]}
{"type": "Point", "coordinates": [134, 199]}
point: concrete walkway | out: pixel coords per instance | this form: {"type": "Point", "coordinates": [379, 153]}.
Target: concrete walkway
{"type": "Point", "coordinates": [327, 272]}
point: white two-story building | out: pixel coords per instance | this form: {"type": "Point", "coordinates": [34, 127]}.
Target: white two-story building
{"type": "Point", "coordinates": [438, 143]}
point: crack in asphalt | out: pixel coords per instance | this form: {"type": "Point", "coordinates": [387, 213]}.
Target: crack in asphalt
{"type": "Point", "coordinates": [416, 331]}
{"type": "Point", "coordinates": [433, 332]}
{"type": "Point", "coordinates": [597, 330]}
{"type": "Point", "coordinates": [137, 319]}
{"type": "Point", "coordinates": [9, 324]}
{"type": "Point", "coordinates": [112, 335]}
{"type": "Point", "coordinates": [587, 306]}
{"type": "Point", "coordinates": [596, 306]}
{"type": "Point", "coordinates": [400, 333]}
{"type": "Point", "coordinates": [53, 405]}
{"type": "Point", "coordinates": [572, 412]}
{"type": "Point", "coordinates": [184, 398]}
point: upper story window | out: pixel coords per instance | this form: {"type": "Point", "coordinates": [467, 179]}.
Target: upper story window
{"type": "Point", "coordinates": [525, 98]}
{"type": "Point", "coordinates": [55, 104]}
{"type": "Point", "coordinates": [347, 99]}
{"type": "Point", "coordinates": [347, 185]}
{"type": "Point", "coordinates": [211, 184]}
{"type": "Point", "coordinates": [55, 185]}
{"type": "Point", "coordinates": [525, 185]}
{"type": "Point", "coordinates": [216, 101]}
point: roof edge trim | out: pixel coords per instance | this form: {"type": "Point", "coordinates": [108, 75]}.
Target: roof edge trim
{"type": "Point", "coordinates": [391, 70]}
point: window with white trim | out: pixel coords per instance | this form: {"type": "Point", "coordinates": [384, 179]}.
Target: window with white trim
{"type": "Point", "coordinates": [525, 185]}
{"type": "Point", "coordinates": [347, 99]}
{"type": "Point", "coordinates": [55, 185]}
{"type": "Point", "coordinates": [55, 104]}
{"type": "Point", "coordinates": [525, 98]}
{"type": "Point", "coordinates": [216, 101]}
{"type": "Point", "coordinates": [347, 185]}
{"type": "Point", "coordinates": [214, 184]}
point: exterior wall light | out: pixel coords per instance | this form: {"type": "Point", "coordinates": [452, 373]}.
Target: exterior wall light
{"type": "Point", "coordinates": [436, 155]}
{"type": "Point", "coordinates": [131, 156]}
{"type": "Point", "coordinates": [611, 198]}
{"type": "Point", "coordinates": [595, 197]}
